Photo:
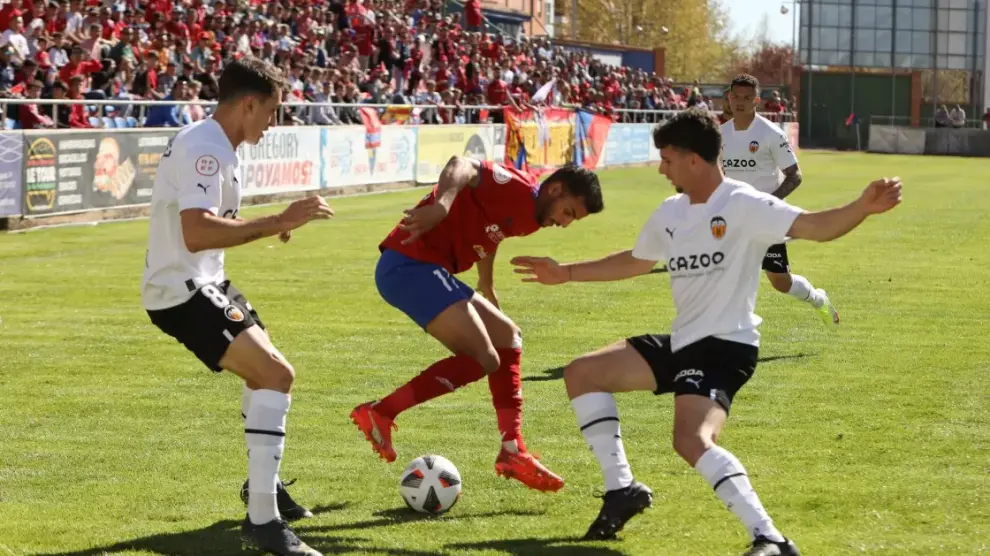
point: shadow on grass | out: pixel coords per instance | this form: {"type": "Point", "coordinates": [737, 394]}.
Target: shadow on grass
{"type": "Point", "coordinates": [223, 538]}
{"type": "Point", "coordinates": [557, 373]}
{"type": "Point", "coordinates": [398, 516]}
{"type": "Point", "coordinates": [563, 546]}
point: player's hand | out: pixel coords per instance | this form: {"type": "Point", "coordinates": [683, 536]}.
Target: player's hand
{"type": "Point", "coordinates": [285, 236]}
{"type": "Point", "coordinates": [541, 269]}
{"type": "Point", "coordinates": [881, 195]}
{"type": "Point", "coordinates": [488, 292]}
{"type": "Point", "coordinates": [302, 211]}
{"type": "Point", "coordinates": [420, 220]}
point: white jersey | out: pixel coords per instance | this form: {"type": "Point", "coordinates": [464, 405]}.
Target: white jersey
{"type": "Point", "coordinates": [756, 155]}
{"type": "Point", "coordinates": [713, 253]}
{"type": "Point", "coordinates": [196, 171]}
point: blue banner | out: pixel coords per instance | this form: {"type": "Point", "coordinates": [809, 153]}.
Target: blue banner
{"type": "Point", "coordinates": [591, 132]}
{"type": "Point", "coordinates": [628, 144]}
{"type": "Point", "coordinates": [11, 173]}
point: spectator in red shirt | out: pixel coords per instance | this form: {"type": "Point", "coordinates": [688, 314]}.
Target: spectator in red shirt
{"type": "Point", "coordinates": [472, 15]}
{"type": "Point", "coordinates": [109, 23]}
{"type": "Point", "coordinates": [54, 21]}
{"type": "Point", "coordinates": [9, 12]}
{"type": "Point", "coordinates": [78, 66]}
{"type": "Point", "coordinates": [498, 95]}
{"type": "Point", "coordinates": [78, 118]}
{"type": "Point", "coordinates": [774, 107]}
{"type": "Point", "coordinates": [364, 38]}
{"type": "Point", "coordinates": [30, 116]}
{"type": "Point", "coordinates": [175, 25]}
{"type": "Point", "coordinates": [442, 75]}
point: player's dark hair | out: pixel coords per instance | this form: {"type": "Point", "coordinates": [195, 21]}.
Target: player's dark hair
{"type": "Point", "coordinates": [745, 80]}
{"type": "Point", "coordinates": [693, 130]}
{"type": "Point", "coordinates": [580, 182]}
{"type": "Point", "coordinates": [249, 76]}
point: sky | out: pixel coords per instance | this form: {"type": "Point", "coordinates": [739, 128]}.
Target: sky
{"type": "Point", "coordinates": [745, 16]}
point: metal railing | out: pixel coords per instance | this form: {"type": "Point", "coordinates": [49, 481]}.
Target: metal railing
{"type": "Point", "coordinates": [323, 113]}
{"type": "Point", "coordinates": [905, 121]}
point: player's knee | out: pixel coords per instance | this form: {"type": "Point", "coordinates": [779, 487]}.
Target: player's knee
{"type": "Point", "coordinates": [516, 338]}
{"type": "Point", "coordinates": [580, 377]}
{"type": "Point", "coordinates": [275, 373]}
{"type": "Point", "coordinates": [489, 360]}
{"type": "Point", "coordinates": [691, 444]}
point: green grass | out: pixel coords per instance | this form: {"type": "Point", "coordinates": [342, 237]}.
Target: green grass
{"type": "Point", "coordinates": [875, 439]}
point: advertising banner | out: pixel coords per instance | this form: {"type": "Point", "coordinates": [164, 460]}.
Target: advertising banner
{"type": "Point", "coordinates": [347, 159]}
{"type": "Point", "coordinates": [437, 144]}
{"type": "Point", "coordinates": [11, 173]}
{"type": "Point", "coordinates": [628, 144]}
{"type": "Point", "coordinates": [286, 159]}
{"type": "Point", "coordinates": [83, 170]}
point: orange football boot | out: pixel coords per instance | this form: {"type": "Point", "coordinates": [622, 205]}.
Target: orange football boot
{"type": "Point", "coordinates": [527, 469]}
{"type": "Point", "coordinates": [376, 428]}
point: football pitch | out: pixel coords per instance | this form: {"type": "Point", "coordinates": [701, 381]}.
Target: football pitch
{"type": "Point", "coordinates": [872, 439]}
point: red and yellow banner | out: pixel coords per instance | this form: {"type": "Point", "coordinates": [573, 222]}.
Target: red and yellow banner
{"type": "Point", "coordinates": [539, 139]}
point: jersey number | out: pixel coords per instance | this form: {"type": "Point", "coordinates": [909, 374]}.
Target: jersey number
{"type": "Point", "coordinates": [443, 275]}
{"type": "Point", "coordinates": [168, 148]}
{"type": "Point", "coordinates": [215, 296]}
{"type": "Point", "coordinates": [738, 163]}
{"type": "Point", "coordinates": [230, 213]}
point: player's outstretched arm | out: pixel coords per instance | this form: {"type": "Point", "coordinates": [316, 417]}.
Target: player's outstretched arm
{"type": "Point", "coordinates": [460, 172]}
{"type": "Point", "coordinates": [202, 230]}
{"type": "Point", "coordinates": [617, 266]}
{"type": "Point", "coordinates": [878, 197]}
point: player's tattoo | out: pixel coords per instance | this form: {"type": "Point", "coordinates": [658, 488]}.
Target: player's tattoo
{"type": "Point", "coordinates": [792, 179]}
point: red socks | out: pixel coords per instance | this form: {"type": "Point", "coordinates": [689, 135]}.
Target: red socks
{"type": "Point", "coordinates": [506, 388]}
{"type": "Point", "coordinates": [446, 375]}
{"type": "Point", "coordinates": [443, 377]}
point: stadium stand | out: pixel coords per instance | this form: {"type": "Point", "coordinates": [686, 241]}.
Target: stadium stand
{"type": "Point", "coordinates": [359, 51]}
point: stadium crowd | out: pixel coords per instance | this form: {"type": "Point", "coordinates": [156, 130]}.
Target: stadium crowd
{"type": "Point", "coordinates": [358, 51]}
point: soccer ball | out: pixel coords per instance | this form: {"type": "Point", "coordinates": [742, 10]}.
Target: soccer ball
{"type": "Point", "coordinates": [430, 485]}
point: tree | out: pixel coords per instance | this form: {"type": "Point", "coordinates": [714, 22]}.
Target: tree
{"type": "Point", "coordinates": [692, 31]}
{"type": "Point", "coordinates": [770, 62]}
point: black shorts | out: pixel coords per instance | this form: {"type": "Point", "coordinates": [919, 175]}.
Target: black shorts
{"type": "Point", "coordinates": [709, 367]}
{"type": "Point", "coordinates": [208, 322]}
{"type": "Point", "coordinates": [776, 259]}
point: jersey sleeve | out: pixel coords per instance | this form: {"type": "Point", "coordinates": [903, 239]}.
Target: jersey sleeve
{"type": "Point", "coordinates": [197, 172]}
{"type": "Point", "coordinates": [780, 149]}
{"type": "Point", "coordinates": [650, 245]}
{"type": "Point", "coordinates": [766, 218]}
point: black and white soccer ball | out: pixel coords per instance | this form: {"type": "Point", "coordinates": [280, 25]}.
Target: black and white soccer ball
{"type": "Point", "coordinates": [430, 485]}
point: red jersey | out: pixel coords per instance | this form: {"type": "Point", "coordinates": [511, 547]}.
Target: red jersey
{"type": "Point", "coordinates": [498, 92]}
{"type": "Point", "coordinates": [502, 205]}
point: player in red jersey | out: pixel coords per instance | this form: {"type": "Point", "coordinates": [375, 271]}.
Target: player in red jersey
{"type": "Point", "coordinates": [473, 208]}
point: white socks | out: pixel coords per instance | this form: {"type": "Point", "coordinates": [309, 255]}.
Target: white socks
{"type": "Point", "coordinates": [246, 405]}
{"type": "Point", "coordinates": [264, 430]}
{"type": "Point", "coordinates": [728, 477]}
{"type": "Point", "coordinates": [802, 290]}
{"type": "Point", "coordinates": [598, 418]}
